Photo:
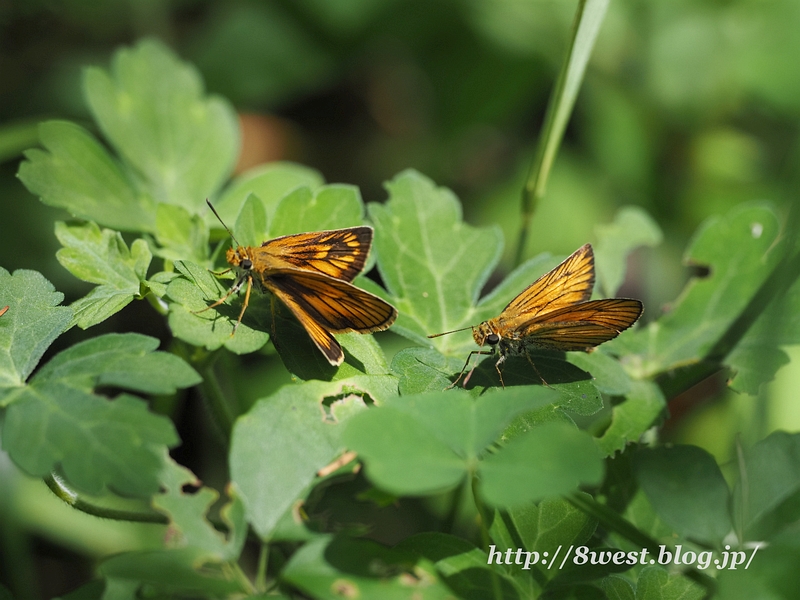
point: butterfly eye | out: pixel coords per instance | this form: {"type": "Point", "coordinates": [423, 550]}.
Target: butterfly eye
{"type": "Point", "coordinates": [247, 264]}
{"type": "Point", "coordinates": [492, 339]}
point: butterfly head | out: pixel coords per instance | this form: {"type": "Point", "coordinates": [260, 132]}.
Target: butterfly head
{"type": "Point", "coordinates": [240, 257]}
{"type": "Point", "coordinates": [486, 333]}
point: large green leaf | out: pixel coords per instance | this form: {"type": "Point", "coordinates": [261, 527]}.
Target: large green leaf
{"type": "Point", "coordinates": [152, 109]}
{"type": "Point", "coordinates": [280, 444]}
{"type": "Point", "coordinates": [76, 173]}
{"type": "Point", "coordinates": [426, 443]}
{"type": "Point", "coordinates": [432, 263]}
{"type": "Point", "coordinates": [739, 250]}
{"type": "Point", "coordinates": [269, 183]}
{"type": "Point", "coordinates": [685, 486]}
{"type": "Point", "coordinates": [33, 320]}
{"type": "Point", "coordinates": [57, 420]}
{"type": "Point", "coordinates": [434, 266]}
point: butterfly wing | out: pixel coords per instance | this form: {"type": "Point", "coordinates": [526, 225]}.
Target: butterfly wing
{"type": "Point", "coordinates": [325, 305]}
{"type": "Point", "coordinates": [340, 253]}
{"type": "Point", "coordinates": [569, 283]}
{"type": "Point", "coordinates": [581, 326]}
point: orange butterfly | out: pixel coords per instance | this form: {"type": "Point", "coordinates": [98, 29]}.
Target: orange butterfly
{"type": "Point", "coordinates": [555, 313]}
{"type": "Point", "coordinates": [311, 274]}
{"type": "Point", "coordinates": [3, 310]}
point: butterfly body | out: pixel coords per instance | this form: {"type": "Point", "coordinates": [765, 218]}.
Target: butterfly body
{"type": "Point", "coordinates": [555, 313]}
{"type": "Point", "coordinates": [311, 274]}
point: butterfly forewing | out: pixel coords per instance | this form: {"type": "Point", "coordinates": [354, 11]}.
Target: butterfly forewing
{"type": "Point", "coordinates": [581, 326]}
{"type": "Point", "coordinates": [569, 283]}
{"type": "Point", "coordinates": [340, 254]}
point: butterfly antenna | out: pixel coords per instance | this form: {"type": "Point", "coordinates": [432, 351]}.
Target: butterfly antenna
{"type": "Point", "coordinates": [216, 214]}
{"type": "Point", "coordinates": [435, 335]}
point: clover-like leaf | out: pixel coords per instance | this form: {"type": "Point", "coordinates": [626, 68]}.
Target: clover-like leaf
{"type": "Point", "coordinates": [102, 257]}
{"type": "Point", "coordinates": [152, 109]}
{"type": "Point", "coordinates": [361, 569]}
{"type": "Point", "coordinates": [427, 443]}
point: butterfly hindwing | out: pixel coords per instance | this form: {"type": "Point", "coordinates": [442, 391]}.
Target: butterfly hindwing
{"type": "Point", "coordinates": [324, 305]}
{"type": "Point", "coordinates": [583, 325]}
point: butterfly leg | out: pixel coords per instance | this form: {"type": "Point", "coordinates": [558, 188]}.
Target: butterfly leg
{"type": "Point", "coordinates": [234, 289]}
{"type": "Point", "coordinates": [245, 303]}
{"type": "Point", "coordinates": [466, 364]}
{"type": "Point", "coordinates": [537, 370]}
{"type": "Point", "coordinates": [500, 361]}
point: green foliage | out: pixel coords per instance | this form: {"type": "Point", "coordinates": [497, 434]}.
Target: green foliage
{"type": "Point", "coordinates": [467, 475]}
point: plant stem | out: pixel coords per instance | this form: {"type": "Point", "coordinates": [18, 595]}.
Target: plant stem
{"type": "Point", "coordinates": [588, 18]}
{"type": "Point", "coordinates": [263, 562]}
{"type": "Point", "coordinates": [481, 508]}
{"type": "Point", "coordinates": [59, 488]}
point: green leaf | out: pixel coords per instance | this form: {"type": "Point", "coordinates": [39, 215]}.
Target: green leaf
{"type": "Point", "coordinates": [31, 323]}
{"type": "Point", "coordinates": [434, 267]}
{"type": "Point", "coordinates": [642, 407]}
{"type": "Point", "coordinates": [56, 420]}
{"type": "Point", "coordinates": [181, 235]}
{"type": "Point", "coordinates": [632, 227]}
{"type": "Point", "coordinates": [772, 469]}
{"type": "Point", "coordinates": [280, 444]}
{"type": "Point", "coordinates": [96, 442]}
{"type": "Point", "coordinates": [126, 360]}
{"type": "Point", "coordinates": [77, 174]}
{"type": "Point", "coordinates": [189, 526]}
{"type": "Point", "coordinates": [251, 224]}
{"type": "Point", "coordinates": [460, 564]}
{"type": "Point", "coordinates": [740, 251]}
{"type": "Point", "coordinates": [541, 527]}
{"type": "Point", "coordinates": [327, 207]}
{"type": "Point", "coordinates": [181, 570]}
{"type": "Point", "coordinates": [193, 292]}
{"type": "Point", "coordinates": [551, 460]}
{"type": "Point", "coordinates": [685, 486]}
{"type": "Point", "coordinates": [102, 257]}
{"type": "Point", "coordinates": [655, 583]}
{"type": "Point", "coordinates": [423, 370]}
{"type": "Point", "coordinates": [432, 263]}
{"type": "Point", "coordinates": [153, 111]}
{"type": "Point", "coordinates": [425, 443]}
{"type": "Point", "coordinates": [342, 567]}
{"type": "Point", "coordinates": [758, 355]}
{"type": "Point", "coordinates": [269, 183]}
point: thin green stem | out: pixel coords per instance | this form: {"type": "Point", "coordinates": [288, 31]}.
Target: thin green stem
{"type": "Point", "coordinates": [484, 519]}
{"type": "Point", "coordinates": [261, 573]}
{"type": "Point", "coordinates": [59, 488]}
{"type": "Point", "coordinates": [588, 18]}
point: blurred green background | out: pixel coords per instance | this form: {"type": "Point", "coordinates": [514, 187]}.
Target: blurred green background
{"type": "Point", "coordinates": [688, 109]}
